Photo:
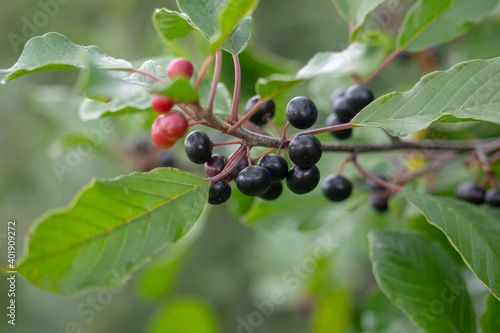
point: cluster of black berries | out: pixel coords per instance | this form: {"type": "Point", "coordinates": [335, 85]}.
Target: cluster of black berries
{"type": "Point", "coordinates": [473, 193]}
{"type": "Point", "coordinates": [304, 150]}
{"type": "Point", "coordinates": [346, 104]}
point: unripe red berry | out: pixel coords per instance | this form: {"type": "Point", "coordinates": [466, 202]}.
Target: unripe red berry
{"type": "Point", "coordinates": [180, 67]}
{"type": "Point", "coordinates": [161, 104]}
{"type": "Point", "coordinates": [168, 128]}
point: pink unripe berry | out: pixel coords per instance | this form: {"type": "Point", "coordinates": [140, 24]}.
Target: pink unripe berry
{"type": "Point", "coordinates": [168, 128]}
{"type": "Point", "coordinates": [180, 67]}
{"type": "Point", "coordinates": [161, 104]}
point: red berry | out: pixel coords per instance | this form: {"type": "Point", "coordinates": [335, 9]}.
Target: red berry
{"type": "Point", "coordinates": [161, 104]}
{"type": "Point", "coordinates": [168, 128]}
{"type": "Point", "coordinates": [180, 67]}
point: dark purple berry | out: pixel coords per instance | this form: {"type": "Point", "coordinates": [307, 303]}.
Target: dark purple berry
{"type": "Point", "coordinates": [492, 197]}
{"type": "Point", "coordinates": [273, 193]}
{"type": "Point", "coordinates": [305, 150]}
{"type": "Point", "coordinates": [301, 112]}
{"type": "Point", "coordinates": [302, 180]}
{"type": "Point", "coordinates": [198, 147]}
{"type": "Point", "coordinates": [219, 193]}
{"type": "Point", "coordinates": [267, 110]}
{"type": "Point", "coordinates": [340, 108]}
{"type": "Point", "coordinates": [380, 201]}
{"type": "Point", "coordinates": [276, 165]}
{"type": "Point", "coordinates": [470, 192]}
{"type": "Point", "coordinates": [340, 92]}
{"type": "Point", "coordinates": [336, 188]}
{"type": "Point", "coordinates": [374, 186]}
{"type": "Point", "coordinates": [254, 180]}
{"type": "Point", "coordinates": [242, 165]}
{"type": "Point", "coordinates": [215, 165]}
{"type": "Point", "coordinates": [357, 98]}
{"type": "Point", "coordinates": [334, 120]}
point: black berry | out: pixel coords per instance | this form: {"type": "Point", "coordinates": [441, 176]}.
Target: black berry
{"type": "Point", "coordinates": [219, 193]}
{"type": "Point", "coordinates": [301, 112]}
{"type": "Point", "coordinates": [357, 98]}
{"type": "Point", "coordinates": [302, 180]}
{"type": "Point", "coordinates": [276, 165]}
{"type": "Point", "coordinates": [198, 147]}
{"type": "Point", "coordinates": [242, 165]}
{"type": "Point", "coordinates": [305, 150]}
{"type": "Point", "coordinates": [273, 193]}
{"type": "Point", "coordinates": [215, 165]}
{"type": "Point", "coordinates": [340, 92]}
{"type": "Point", "coordinates": [379, 201]}
{"type": "Point", "coordinates": [336, 188]}
{"type": "Point", "coordinates": [166, 159]}
{"type": "Point", "coordinates": [267, 110]}
{"type": "Point", "coordinates": [334, 120]}
{"type": "Point", "coordinates": [374, 186]}
{"type": "Point", "coordinates": [254, 180]}
{"type": "Point", "coordinates": [492, 197]}
{"type": "Point", "coordinates": [470, 192]}
{"type": "Point", "coordinates": [339, 107]}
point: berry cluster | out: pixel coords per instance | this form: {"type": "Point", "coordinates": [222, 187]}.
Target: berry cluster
{"type": "Point", "coordinates": [346, 104]}
{"type": "Point", "coordinates": [171, 125]}
{"type": "Point", "coordinates": [473, 193]}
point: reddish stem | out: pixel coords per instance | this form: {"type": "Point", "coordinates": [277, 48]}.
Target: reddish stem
{"type": "Point", "coordinates": [283, 136]}
{"type": "Point", "coordinates": [216, 144]}
{"type": "Point", "coordinates": [325, 130]}
{"type": "Point", "coordinates": [215, 81]}
{"type": "Point", "coordinates": [376, 180]}
{"type": "Point", "coordinates": [141, 72]}
{"type": "Point", "coordinates": [348, 159]}
{"type": "Point", "coordinates": [237, 88]}
{"type": "Point", "coordinates": [247, 116]}
{"type": "Point", "coordinates": [386, 62]}
{"type": "Point", "coordinates": [270, 122]}
{"type": "Point", "coordinates": [269, 151]}
{"type": "Point", "coordinates": [248, 156]}
{"type": "Point", "coordinates": [203, 70]}
{"type": "Point", "coordinates": [256, 128]}
{"type": "Point", "coordinates": [186, 110]}
{"type": "Point", "coordinates": [232, 163]}
{"type": "Point", "coordinates": [201, 122]}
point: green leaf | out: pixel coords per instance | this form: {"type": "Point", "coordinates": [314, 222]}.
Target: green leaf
{"type": "Point", "coordinates": [421, 280]}
{"type": "Point", "coordinates": [274, 84]}
{"type": "Point", "coordinates": [180, 90]}
{"type": "Point", "coordinates": [356, 12]}
{"type": "Point", "coordinates": [135, 99]}
{"type": "Point", "coordinates": [432, 22]}
{"type": "Point", "coordinates": [111, 228]}
{"type": "Point", "coordinates": [238, 40]}
{"type": "Point", "coordinates": [187, 314]}
{"type": "Point", "coordinates": [333, 312]}
{"type": "Point", "coordinates": [466, 91]}
{"type": "Point", "coordinates": [490, 320]}
{"type": "Point", "coordinates": [203, 13]}
{"type": "Point", "coordinates": [171, 25]}
{"type": "Point", "coordinates": [233, 12]}
{"type": "Point", "coordinates": [473, 232]}
{"type": "Point", "coordinates": [359, 59]}
{"type": "Point", "coordinates": [54, 51]}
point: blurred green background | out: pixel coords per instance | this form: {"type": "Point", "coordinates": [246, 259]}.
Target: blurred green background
{"type": "Point", "coordinates": [225, 271]}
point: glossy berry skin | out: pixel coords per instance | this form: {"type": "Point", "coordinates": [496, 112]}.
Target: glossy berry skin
{"type": "Point", "coordinates": [339, 107]}
{"type": "Point", "coordinates": [219, 193]}
{"type": "Point", "coordinates": [276, 165]}
{"type": "Point", "coordinates": [301, 112]}
{"type": "Point", "coordinates": [336, 188]}
{"type": "Point", "coordinates": [267, 110]}
{"type": "Point", "coordinates": [242, 165]}
{"type": "Point", "coordinates": [492, 197]}
{"type": "Point", "coordinates": [379, 202]}
{"type": "Point", "coordinates": [470, 192]}
{"type": "Point", "coordinates": [180, 67]}
{"type": "Point", "coordinates": [254, 180]}
{"type": "Point", "coordinates": [374, 186]}
{"type": "Point", "coordinates": [168, 128]}
{"type": "Point", "coordinates": [198, 147]}
{"type": "Point", "coordinates": [302, 180]}
{"type": "Point", "coordinates": [215, 164]}
{"type": "Point", "coordinates": [340, 92]}
{"type": "Point", "coordinates": [305, 150]}
{"type": "Point", "coordinates": [273, 193]}
{"type": "Point", "coordinates": [357, 98]}
{"type": "Point", "coordinates": [334, 120]}
{"type": "Point", "coordinates": [162, 104]}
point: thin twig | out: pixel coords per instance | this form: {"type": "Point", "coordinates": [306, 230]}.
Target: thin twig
{"type": "Point", "coordinates": [247, 116]}
{"type": "Point", "coordinates": [270, 122]}
{"type": "Point", "coordinates": [386, 62]}
{"type": "Point", "coordinates": [141, 72]}
{"type": "Point", "coordinates": [203, 70]}
{"type": "Point", "coordinates": [376, 180]}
